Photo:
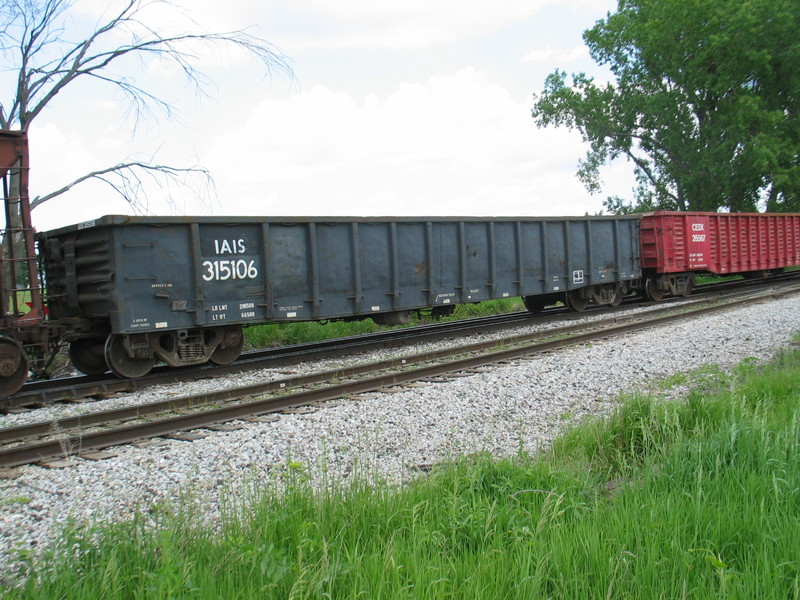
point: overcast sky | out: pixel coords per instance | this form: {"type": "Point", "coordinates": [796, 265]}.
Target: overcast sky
{"type": "Point", "coordinates": [403, 108]}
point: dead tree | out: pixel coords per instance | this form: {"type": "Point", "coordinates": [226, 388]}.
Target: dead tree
{"type": "Point", "coordinates": [34, 44]}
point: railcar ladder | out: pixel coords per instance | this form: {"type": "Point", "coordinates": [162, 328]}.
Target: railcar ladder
{"type": "Point", "coordinates": [19, 277]}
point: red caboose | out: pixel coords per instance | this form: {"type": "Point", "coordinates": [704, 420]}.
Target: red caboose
{"type": "Point", "coordinates": [676, 245]}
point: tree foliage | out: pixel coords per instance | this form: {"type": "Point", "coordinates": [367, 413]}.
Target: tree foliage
{"type": "Point", "coordinates": [704, 101]}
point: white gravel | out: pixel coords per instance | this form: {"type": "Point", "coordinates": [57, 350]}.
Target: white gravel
{"type": "Point", "coordinates": [64, 410]}
{"type": "Point", "coordinates": [519, 406]}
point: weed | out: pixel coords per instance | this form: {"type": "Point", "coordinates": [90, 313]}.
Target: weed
{"type": "Point", "coordinates": [694, 498]}
{"type": "Point", "coordinates": [11, 500]}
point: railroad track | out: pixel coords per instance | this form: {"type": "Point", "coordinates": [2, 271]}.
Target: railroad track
{"type": "Point", "coordinates": [79, 388]}
{"type": "Point", "coordinates": [39, 393]}
{"type": "Point", "coordinates": [90, 433]}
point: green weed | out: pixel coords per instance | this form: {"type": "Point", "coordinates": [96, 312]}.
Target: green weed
{"type": "Point", "coordinates": [691, 499]}
{"type": "Point", "coordinates": [281, 334]}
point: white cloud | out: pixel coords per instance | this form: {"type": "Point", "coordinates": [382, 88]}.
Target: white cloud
{"type": "Point", "coordinates": [553, 55]}
{"type": "Point", "coordinates": [456, 144]}
{"type": "Point", "coordinates": [303, 24]}
{"type": "Point", "coordinates": [59, 155]}
{"type": "Point", "coordinates": [411, 24]}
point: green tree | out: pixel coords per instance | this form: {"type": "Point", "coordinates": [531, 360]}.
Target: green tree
{"type": "Point", "coordinates": [704, 102]}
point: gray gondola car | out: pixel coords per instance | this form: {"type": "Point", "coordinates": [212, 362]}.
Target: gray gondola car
{"type": "Point", "coordinates": [133, 290]}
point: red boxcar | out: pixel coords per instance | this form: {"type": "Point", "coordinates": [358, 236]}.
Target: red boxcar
{"type": "Point", "coordinates": [675, 245]}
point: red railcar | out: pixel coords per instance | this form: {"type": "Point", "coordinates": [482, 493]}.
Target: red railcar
{"type": "Point", "coordinates": [675, 245]}
{"type": "Point", "coordinates": [21, 329]}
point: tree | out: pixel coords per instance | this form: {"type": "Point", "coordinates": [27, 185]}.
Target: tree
{"type": "Point", "coordinates": [704, 102]}
{"type": "Point", "coordinates": [34, 44]}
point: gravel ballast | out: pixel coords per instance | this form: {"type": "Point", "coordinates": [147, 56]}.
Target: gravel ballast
{"type": "Point", "coordinates": [508, 408]}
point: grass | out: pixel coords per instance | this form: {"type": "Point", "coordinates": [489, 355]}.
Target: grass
{"type": "Point", "coordinates": [282, 334]}
{"type": "Point", "coordinates": [703, 279]}
{"type": "Point", "coordinates": [693, 499]}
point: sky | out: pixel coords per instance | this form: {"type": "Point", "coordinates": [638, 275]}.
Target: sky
{"type": "Point", "coordinates": [403, 108]}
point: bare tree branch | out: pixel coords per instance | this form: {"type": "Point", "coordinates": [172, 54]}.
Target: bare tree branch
{"type": "Point", "coordinates": [34, 43]}
{"type": "Point", "coordinates": [40, 34]}
{"type": "Point", "coordinates": [126, 180]}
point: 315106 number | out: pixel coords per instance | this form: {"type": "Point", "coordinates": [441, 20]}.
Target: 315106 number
{"type": "Point", "coordinates": [224, 269]}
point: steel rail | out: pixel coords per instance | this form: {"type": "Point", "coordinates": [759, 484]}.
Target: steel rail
{"type": "Point", "coordinates": [80, 387]}
{"type": "Point", "coordinates": [93, 441]}
{"type": "Point", "coordinates": [22, 432]}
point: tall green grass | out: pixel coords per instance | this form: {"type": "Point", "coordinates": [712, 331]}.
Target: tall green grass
{"type": "Point", "coordinates": [282, 334]}
{"type": "Point", "coordinates": [694, 499]}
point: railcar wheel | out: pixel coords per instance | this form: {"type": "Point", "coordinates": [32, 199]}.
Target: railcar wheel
{"type": "Point", "coordinates": [88, 355]}
{"type": "Point", "coordinates": [689, 287]}
{"type": "Point", "coordinates": [123, 364]}
{"type": "Point", "coordinates": [618, 296]}
{"type": "Point", "coordinates": [534, 304]}
{"type": "Point", "coordinates": [576, 301]}
{"type": "Point", "coordinates": [13, 367]}
{"type": "Point", "coordinates": [653, 292]}
{"type": "Point", "coordinates": [233, 340]}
